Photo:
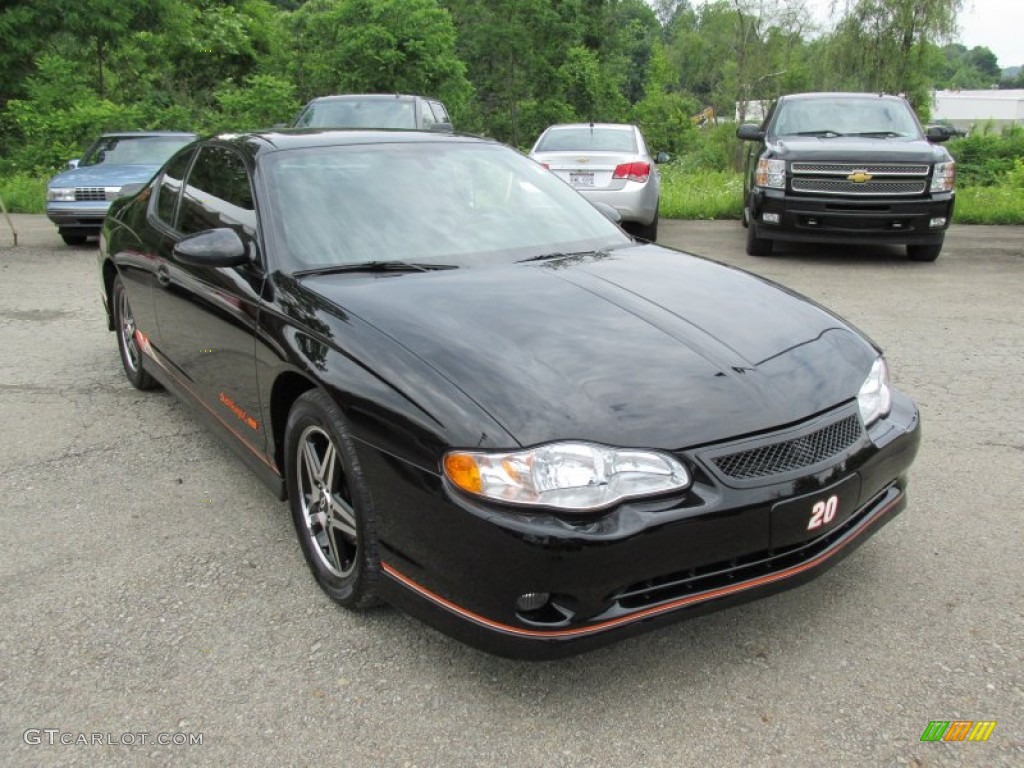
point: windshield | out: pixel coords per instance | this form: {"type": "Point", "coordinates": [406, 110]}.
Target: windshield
{"type": "Point", "coordinates": [845, 116]}
{"type": "Point", "coordinates": [587, 138]}
{"type": "Point", "coordinates": [134, 150]}
{"type": "Point", "coordinates": [359, 113]}
{"type": "Point", "coordinates": [455, 203]}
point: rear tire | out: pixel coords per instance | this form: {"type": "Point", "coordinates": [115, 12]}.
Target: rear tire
{"type": "Point", "coordinates": [757, 246]}
{"type": "Point", "coordinates": [924, 252]}
{"type": "Point", "coordinates": [648, 232]}
{"type": "Point", "coordinates": [331, 505]}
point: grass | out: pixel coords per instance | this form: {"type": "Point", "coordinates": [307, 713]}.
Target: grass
{"type": "Point", "coordinates": [989, 205]}
{"type": "Point", "coordinates": [700, 194]}
{"type": "Point", "coordinates": [24, 193]}
{"type": "Point", "coordinates": [719, 195]}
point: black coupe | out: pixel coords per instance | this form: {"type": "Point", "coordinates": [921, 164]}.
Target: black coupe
{"type": "Point", "coordinates": [486, 404]}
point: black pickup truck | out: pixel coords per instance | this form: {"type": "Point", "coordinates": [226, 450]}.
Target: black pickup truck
{"type": "Point", "coordinates": [847, 168]}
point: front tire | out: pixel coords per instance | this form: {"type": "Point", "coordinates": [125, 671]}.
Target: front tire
{"type": "Point", "coordinates": [127, 341]}
{"type": "Point", "coordinates": [757, 246]}
{"type": "Point", "coordinates": [330, 503]}
{"type": "Point", "coordinates": [924, 252]}
{"type": "Point", "coordinates": [71, 237]}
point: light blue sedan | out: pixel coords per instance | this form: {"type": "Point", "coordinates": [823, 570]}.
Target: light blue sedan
{"type": "Point", "coordinates": [77, 199]}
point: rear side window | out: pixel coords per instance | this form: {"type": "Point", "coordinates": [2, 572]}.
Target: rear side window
{"type": "Point", "coordinates": [218, 194]}
{"type": "Point", "coordinates": [170, 187]}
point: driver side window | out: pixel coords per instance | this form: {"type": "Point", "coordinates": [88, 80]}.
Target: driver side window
{"type": "Point", "coordinates": [218, 194]}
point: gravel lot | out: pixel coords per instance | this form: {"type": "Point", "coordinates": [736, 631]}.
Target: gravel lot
{"type": "Point", "coordinates": [152, 585]}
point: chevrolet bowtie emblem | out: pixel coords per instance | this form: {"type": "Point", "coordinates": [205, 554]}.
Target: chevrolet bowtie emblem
{"type": "Point", "coordinates": [582, 160]}
{"type": "Point", "coordinates": [859, 177]}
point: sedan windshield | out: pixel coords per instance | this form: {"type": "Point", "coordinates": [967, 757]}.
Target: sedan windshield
{"type": "Point", "coordinates": [451, 203]}
{"type": "Point", "coordinates": [844, 116]}
{"type": "Point", "coordinates": [134, 150]}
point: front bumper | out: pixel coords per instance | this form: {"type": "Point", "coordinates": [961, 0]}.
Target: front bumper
{"type": "Point", "coordinates": [78, 215]}
{"type": "Point", "coordinates": [461, 566]}
{"type": "Point", "coordinates": [850, 219]}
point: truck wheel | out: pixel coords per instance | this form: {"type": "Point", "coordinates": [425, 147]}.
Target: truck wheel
{"type": "Point", "coordinates": [924, 252]}
{"type": "Point", "coordinates": [757, 246]}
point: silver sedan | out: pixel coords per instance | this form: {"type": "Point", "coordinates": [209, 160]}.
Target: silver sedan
{"type": "Point", "coordinates": [607, 163]}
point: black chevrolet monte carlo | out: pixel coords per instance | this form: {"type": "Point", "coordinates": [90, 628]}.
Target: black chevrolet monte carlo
{"type": "Point", "coordinates": [484, 402]}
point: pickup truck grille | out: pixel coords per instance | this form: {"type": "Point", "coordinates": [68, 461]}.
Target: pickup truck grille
{"type": "Point", "coordinates": [888, 180]}
{"type": "Point", "coordinates": [845, 169]}
{"type": "Point", "coordinates": [843, 187]}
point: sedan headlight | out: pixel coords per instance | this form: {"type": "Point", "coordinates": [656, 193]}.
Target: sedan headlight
{"type": "Point", "coordinates": [771, 173]}
{"type": "Point", "coordinates": [943, 177]}
{"type": "Point", "coordinates": [573, 476]}
{"type": "Point", "coordinates": [875, 396]}
{"type": "Point", "coordinates": [61, 194]}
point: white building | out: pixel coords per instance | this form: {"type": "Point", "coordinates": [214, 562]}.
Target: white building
{"type": "Point", "coordinates": [973, 110]}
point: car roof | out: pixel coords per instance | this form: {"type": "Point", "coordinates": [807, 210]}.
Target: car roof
{"type": "Point", "coordinates": [616, 126]}
{"type": "Point", "coordinates": [367, 97]}
{"type": "Point", "coordinates": [258, 142]}
{"type": "Point", "coordinates": [839, 95]}
{"type": "Point", "coordinates": [145, 134]}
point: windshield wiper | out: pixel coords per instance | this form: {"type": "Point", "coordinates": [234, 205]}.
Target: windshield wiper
{"type": "Point", "coordinates": [373, 266]}
{"type": "Point", "coordinates": [825, 133]}
{"type": "Point", "coordinates": [878, 134]}
{"type": "Point", "coordinates": [563, 255]}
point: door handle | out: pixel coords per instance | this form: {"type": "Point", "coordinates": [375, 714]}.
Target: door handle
{"type": "Point", "coordinates": [163, 275]}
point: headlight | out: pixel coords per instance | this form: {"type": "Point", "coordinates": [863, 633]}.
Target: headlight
{"type": "Point", "coordinates": [875, 396]}
{"type": "Point", "coordinates": [61, 194]}
{"type": "Point", "coordinates": [771, 173]}
{"type": "Point", "coordinates": [572, 476]}
{"type": "Point", "coordinates": [943, 177]}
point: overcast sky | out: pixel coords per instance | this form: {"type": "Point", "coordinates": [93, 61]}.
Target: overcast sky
{"type": "Point", "coordinates": [996, 24]}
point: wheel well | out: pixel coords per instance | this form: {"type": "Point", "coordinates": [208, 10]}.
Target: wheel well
{"type": "Point", "coordinates": [287, 389]}
{"type": "Point", "coordinates": [109, 273]}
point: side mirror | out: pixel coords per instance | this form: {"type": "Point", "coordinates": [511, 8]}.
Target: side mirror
{"type": "Point", "coordinates": [609, 212]}
{"type": "Point", "coordinates": [662, 157]}
{"type": "Point", "coordinates": [279, 126]}
{"type": "Point", "coordinates": [73, 163]}
{"type": "Point", "coordinates": [212, 248]}
{"type": "Point", "coordinates": [937, 134]}
{"type": "Point", "coordinates": [750, 132]}
{"type": "Point", "coordinates": [442, 128]}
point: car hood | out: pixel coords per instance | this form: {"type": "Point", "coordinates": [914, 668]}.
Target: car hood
{"type": "Point", "coordinates": [855, 149]}
{"type": "Point", "coordinates": [104, 176]}
{"type": "Point", "coordinates": [641, 347]}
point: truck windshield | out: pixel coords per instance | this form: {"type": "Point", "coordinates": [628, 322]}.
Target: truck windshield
{"type": "Point", "coordinates": [844, 116]}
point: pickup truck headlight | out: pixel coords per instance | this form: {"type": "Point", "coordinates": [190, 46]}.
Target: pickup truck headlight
{"type": "Point", "coordinates": [875, 396]}
{"type": "Point", "coordinates": [771, 173]}
{"type": "Point", "coordinates": [572, 476]}
{"type": "Point", "coordinates": [61, 194]}
{"type": "Point", "coordinates": [943, 177]}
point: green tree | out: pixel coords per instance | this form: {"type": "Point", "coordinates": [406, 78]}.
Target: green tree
{"type": "Point", "coordinates": [401, 46]}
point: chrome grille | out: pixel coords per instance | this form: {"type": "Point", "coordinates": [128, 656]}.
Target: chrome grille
{"type": "Point", "coordinates": [94, 194]}
{"type": "Point", "coordinates": [793, 454]}
{"type": "Point", "coordinates": [837, 187]}
{"type": "Point", "coordinates": [845, 169]}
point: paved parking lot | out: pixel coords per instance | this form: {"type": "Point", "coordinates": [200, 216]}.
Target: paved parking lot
{"type": "Point", "coordinates": [150, 585]}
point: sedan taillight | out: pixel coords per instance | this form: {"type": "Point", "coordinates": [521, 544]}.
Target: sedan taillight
{"type": "Point", "coordinates": [632, 171]}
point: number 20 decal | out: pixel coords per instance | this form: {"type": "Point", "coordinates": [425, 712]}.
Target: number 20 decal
{"type": "Point", "coordinates": [823, 512]}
